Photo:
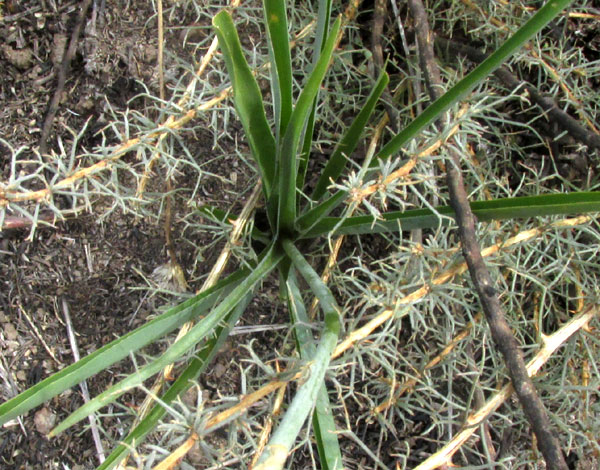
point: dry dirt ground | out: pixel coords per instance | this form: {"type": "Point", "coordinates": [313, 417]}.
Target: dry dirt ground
{"type": "Point", "coordinates": [87, 268]}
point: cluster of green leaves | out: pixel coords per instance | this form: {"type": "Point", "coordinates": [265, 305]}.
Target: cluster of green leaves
{"type": "Point", "coordinates": [280, 150]}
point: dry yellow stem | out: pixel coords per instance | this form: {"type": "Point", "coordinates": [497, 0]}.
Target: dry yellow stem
{"type": "Point", "coordinates": [175, 457]}
{"type": "Point", "coordinates": [266, 432]}
{"type": "Point", "coordinates": [550, 345]}
{"type": "Point", "coordinates": [447, 275]}
{"type": "Point", "coordinates": [410, 383]}
{"type": "Point", "coordinates": [247, 401]}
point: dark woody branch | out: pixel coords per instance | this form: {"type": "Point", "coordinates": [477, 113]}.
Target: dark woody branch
{"type": "Point", "coordinates": [501, 333]}
{"type": "Point", "coordinates": [505, 76]}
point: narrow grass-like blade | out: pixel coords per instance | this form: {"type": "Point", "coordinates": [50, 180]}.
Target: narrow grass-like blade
{"type": "Point", "coordinates": [281, 70]}
{"type": "Point", "coordinates": [310, 218]}
{"type": "Point", "coordinates": [323, 422]}
{"type": "Point", "coordinates": [498, 209]}
{"type": "Point", "coordinates": [196, 366]}
{"type": "Point", "coordinates": [339, 158]}
{"type": "Point", "coordinates": [248, 100]}
{"type": "Point", "coordinates": [544, 15]}
{"type": "Point", "coordinates": [287, 156]}
{"type": "Point", "coordinates": [323, 19]}
{"type": "Point", "coordinates": [202, 329]}
{"type": "Point", "coordinates": [307, 143]}
{"type": "Point", "coordinates": [276, 451]}
{"type": "Point", "coordinates": [117, 349]}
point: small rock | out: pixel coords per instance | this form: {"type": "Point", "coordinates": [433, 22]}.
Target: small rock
{"type": "Point", "coordinates": [190, 397]}
{"type": "Point", "coordinates": [10, 332]}
{"type": "Point", "coordinates": [44, 420]}
{"type": "Point", "coordinates": [219, 370]}
{"type": "Point", "coordinates": [150, 54]}
{"type": "Point", "coordinates": [195, 455]}
{"type": "Point", "coordinates": [59, 43]}
{"type": "Point", "coordinates": [20, 58]}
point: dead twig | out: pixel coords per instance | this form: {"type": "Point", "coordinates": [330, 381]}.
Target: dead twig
{"type": "Point", "coordinates": [444, 277]}
{"type": "Point", "coordinates": [379, 14]}
{"type": "Point", "coordinates": [550, 345]}
{"type": "Point", "coordinates": [161, 40]}
{"type": "Point", "coordinates": [38, 335]}
{"type": "Point", "coordinates": [62, 77]}
{"type": "Point", "coordinates": [83, 385]}
{"type": "Point", "coordinates": [506, 77]}
{"type": "Point", "coordinates": [46, 218]}
{"type": "Point", "coordinates": [501, 333]}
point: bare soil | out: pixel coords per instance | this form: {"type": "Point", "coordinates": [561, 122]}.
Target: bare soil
{"type": "Point", "coordinates": [93, 270]}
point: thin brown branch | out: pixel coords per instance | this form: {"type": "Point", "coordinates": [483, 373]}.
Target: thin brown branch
{"type": "Point", "coordinates": [62, 77]}
{"type": "Point", "coordinates": [543, 62]}
{"type": "Point", "coordinates": [446, 276]}
{"type": "Point", "coordinates": [379, 15]}
{"type": "Point", "coordinates": [424, 35]}
{"type": "Point", "coordinates": [501, 333]}
{"type": "Point", "coordinates": [161, 44]}
{"type": "Point", "coordinates": [44, 219]}
{"type": "Point", "coordinates": [506, 77]}
{"type": "Point", "coordinates": [549, 347]}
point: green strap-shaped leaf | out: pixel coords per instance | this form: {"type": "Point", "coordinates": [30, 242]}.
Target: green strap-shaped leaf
{"type": "Point", "coordinates": [471, 80]}
{"type": "Point", "coordinates": [323, 422]}
{"type": "Point", "coordinates": [116, 350]}
{"type": "Point", "coordinates": [339, 158]}
{"type": "Point", "coordinates": [310, 218]}
{"type": "Point", "coordinates": [287, 156]}
{"type": "Point", "coordinates": [276, 451]}
{"type": "Point", "coordinates": [248, 100]}
{"type": "Point", "coordinates": [201, 330]}
{"type": "Point", "coordinates": [196, 366]}
{"type": "Point", "coordinates": [323, 19]}
{"type": "Point", "coordinates": [498, 209]}
{"type": "Point", "coordinates": [480, 73]}
{"type": "Point", "coordinates": [322, 33]}
{"type": "Point", "coordinates": [281, 70]}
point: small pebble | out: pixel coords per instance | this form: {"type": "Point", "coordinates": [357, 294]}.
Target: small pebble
{"type": "Point", "coordinates": [44, 420]}
{"type": "Point", "coordinates": [10, 332]}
